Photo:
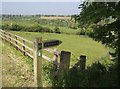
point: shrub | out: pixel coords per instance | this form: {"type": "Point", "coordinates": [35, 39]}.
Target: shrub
{"type": "Point", "coordinates": [5, 26]}
{"type": "Point", "coordinates": [36, 28]}
{"type": "Point", "coordinates": [16, 27]}
{"type": "Point", "coordinates": [57, 30]}
{"type": "Point", "coordinates": [82, 32]}
{"type": "Point", "coordinates": [45, 29]}
{"type": "Point", "coordinates": [13, 27]}
{"type": "Point", "coordinates": [89, 31]}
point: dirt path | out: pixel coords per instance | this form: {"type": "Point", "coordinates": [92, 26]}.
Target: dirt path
{"type": "Point", "coordinates": [16, 69]}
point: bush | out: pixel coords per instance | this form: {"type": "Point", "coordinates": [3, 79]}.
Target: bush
{"type": "Point", "coordinates": [82, 32]}
{"type": "Point", "coordinates": [36, 28]}
{"type": "Point", "coordinates": [57, 30]}
{"type": "Point", "coordinates": [33, 28]}
{"type": "Point", "coordinates": [89, 31]}
{"type": "Point", "coordinates": [45, 29]}
{"type": "Point", "coordinates": [5, 27]}
{"type": "Point", "coordinates": [16, 27]}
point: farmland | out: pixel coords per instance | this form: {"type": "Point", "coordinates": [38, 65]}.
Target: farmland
{"type": "Point", "coordinates": [84, 44]}
{"type": "Point", "coordinates": [72, 42]}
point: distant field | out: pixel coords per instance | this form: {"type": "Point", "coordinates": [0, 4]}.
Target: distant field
{"type": "Point", "coordinates": [75, 44]}
{"type": "Point", "coordinates": [56, 17]}
{"type": "Point", "coordinates": [30, 23]}
{"type": "Point", "coordinates": [19, 22]}
{"type": "Point", "coordinates": [63, 29]}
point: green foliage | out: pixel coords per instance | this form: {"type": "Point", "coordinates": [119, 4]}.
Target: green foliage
{"type": "Point", "coordinates": [51, 22]}
{"type": "Point", "coordinates": [57, 30]}
{"type": "Point", "coordinates": [15, 27]}
{"type": "Point", "coordinates": [36, 28]}
{"type": "Point", "coordinates": [73, 43]}
{"type": "Point", "coordinates": [104, 19]}
{"type": "Point", "coordinates": [89, 31]}
{"type": "Point", "coordinates": [33, 28]}
{"type": "Point", "coordinates": [5, 26]}
{"type": "Point", "coordinates": [96, 75]}
{"type": "Point", "coordinates": [66, 25]}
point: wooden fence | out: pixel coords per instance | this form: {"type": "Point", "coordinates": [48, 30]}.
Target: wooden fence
{"type": "Point", "coordinates": [31, 49]}
{"type": "Point", "coordinates": [23, 45]}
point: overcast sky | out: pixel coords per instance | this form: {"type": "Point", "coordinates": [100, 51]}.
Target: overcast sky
{"type": "Point", "coordinates": [48, 8]}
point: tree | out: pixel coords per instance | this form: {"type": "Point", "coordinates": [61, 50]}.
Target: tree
{"type": "Point", "coordinates": [105, 20]}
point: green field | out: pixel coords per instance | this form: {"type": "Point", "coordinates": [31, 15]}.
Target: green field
{"type": "Point", "coordinates": [18, 69]}
{"type": "Point", "coordinates": [28, 23]}
{"type": "Point", "coordinates": [75, 44]}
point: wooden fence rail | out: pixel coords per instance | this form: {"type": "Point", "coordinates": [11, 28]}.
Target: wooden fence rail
{"type": "Point", "coordinates": [35, 52]}
{"type": "Point", "coordinates": [20, 44]}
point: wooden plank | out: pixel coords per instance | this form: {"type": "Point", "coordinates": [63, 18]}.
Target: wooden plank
{"type": "Point", "coordinates": [18, 47]}
{"type": "Point", "coordinates": [51, 43]}
{"type": "Point", "coordinates": [38, 63]}
{"type": "Point", "coordinates": [30, 42]}
{"type": "Point", "coordinates": [47, 58]}
{"type": "Point", "coordinates": [64, 67]}
{"type": "Point", "coordinates": [23, 47]}
{"type": "Point", "coordinates": [2, 30]}
{"type": "Point", "coordinates": [49, 50]}
{"type": "Point", "coordinates": [29, 55]}
{"type": "Point", "coordinates": [20, 43]}
{"type": "Point", "coordinates": [9, 37]}
{"type": "Point", "coordinates": [43, 56]}
{"type": "Point", "coordinates": [82, 62]}
{"type": "Point", "coordinates": [16, 42]}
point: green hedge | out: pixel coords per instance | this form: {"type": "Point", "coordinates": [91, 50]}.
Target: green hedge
{"type": "Point", "coordinates": [33, 28]}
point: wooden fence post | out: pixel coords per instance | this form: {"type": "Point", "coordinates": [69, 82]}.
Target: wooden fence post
{"type": "Point", "coordinates": [23, 47]}
{"type": "Point", "coordinates": [82, 62]}
{"type": "Point", "coordinates": [38, 62]}
{"type": "Point", "coordinates": [55, 64]}
{"type": "Point", "coordinates": [5, 36]}
{"type": "Point", "coordinates": [16, 42]}
{"type": "Point", "coordinates": [64, 66]}
{"type": "Point", "coordinates": [10, 38]}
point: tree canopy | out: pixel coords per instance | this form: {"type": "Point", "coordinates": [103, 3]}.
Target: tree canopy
{"type": "Point", "coordinates": [104, 18]}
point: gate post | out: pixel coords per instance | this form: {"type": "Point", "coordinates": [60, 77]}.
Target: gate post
{"type": "Point", "coordinates": [82, 62]}
{"type": "Point", "coordinates": [38, 62]}
{"type": "Point", "coordinates": [64, 67]}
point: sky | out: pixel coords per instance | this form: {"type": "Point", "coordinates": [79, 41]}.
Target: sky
{"type": "Point", "coordinates": [41, 0]}
{"type": "Point", "coordinates": [44, 8]}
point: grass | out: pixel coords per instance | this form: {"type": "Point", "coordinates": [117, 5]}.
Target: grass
{"type": "Point", "coordinates": [17, 70]}
{"type": "Point", "coordinates": [20, 22]}
{"type": "Point", "coordinates": [63, 29]}
{"type": "Point", "coordinates": [75, 44]}
{"type": "Point", "coordinates": [30, 23]}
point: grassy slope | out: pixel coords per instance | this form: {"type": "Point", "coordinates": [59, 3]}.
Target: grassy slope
{"type": "Point", "coordinates": [75, 44]}
{"type": "Point", "coordinates": [17, 70]}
